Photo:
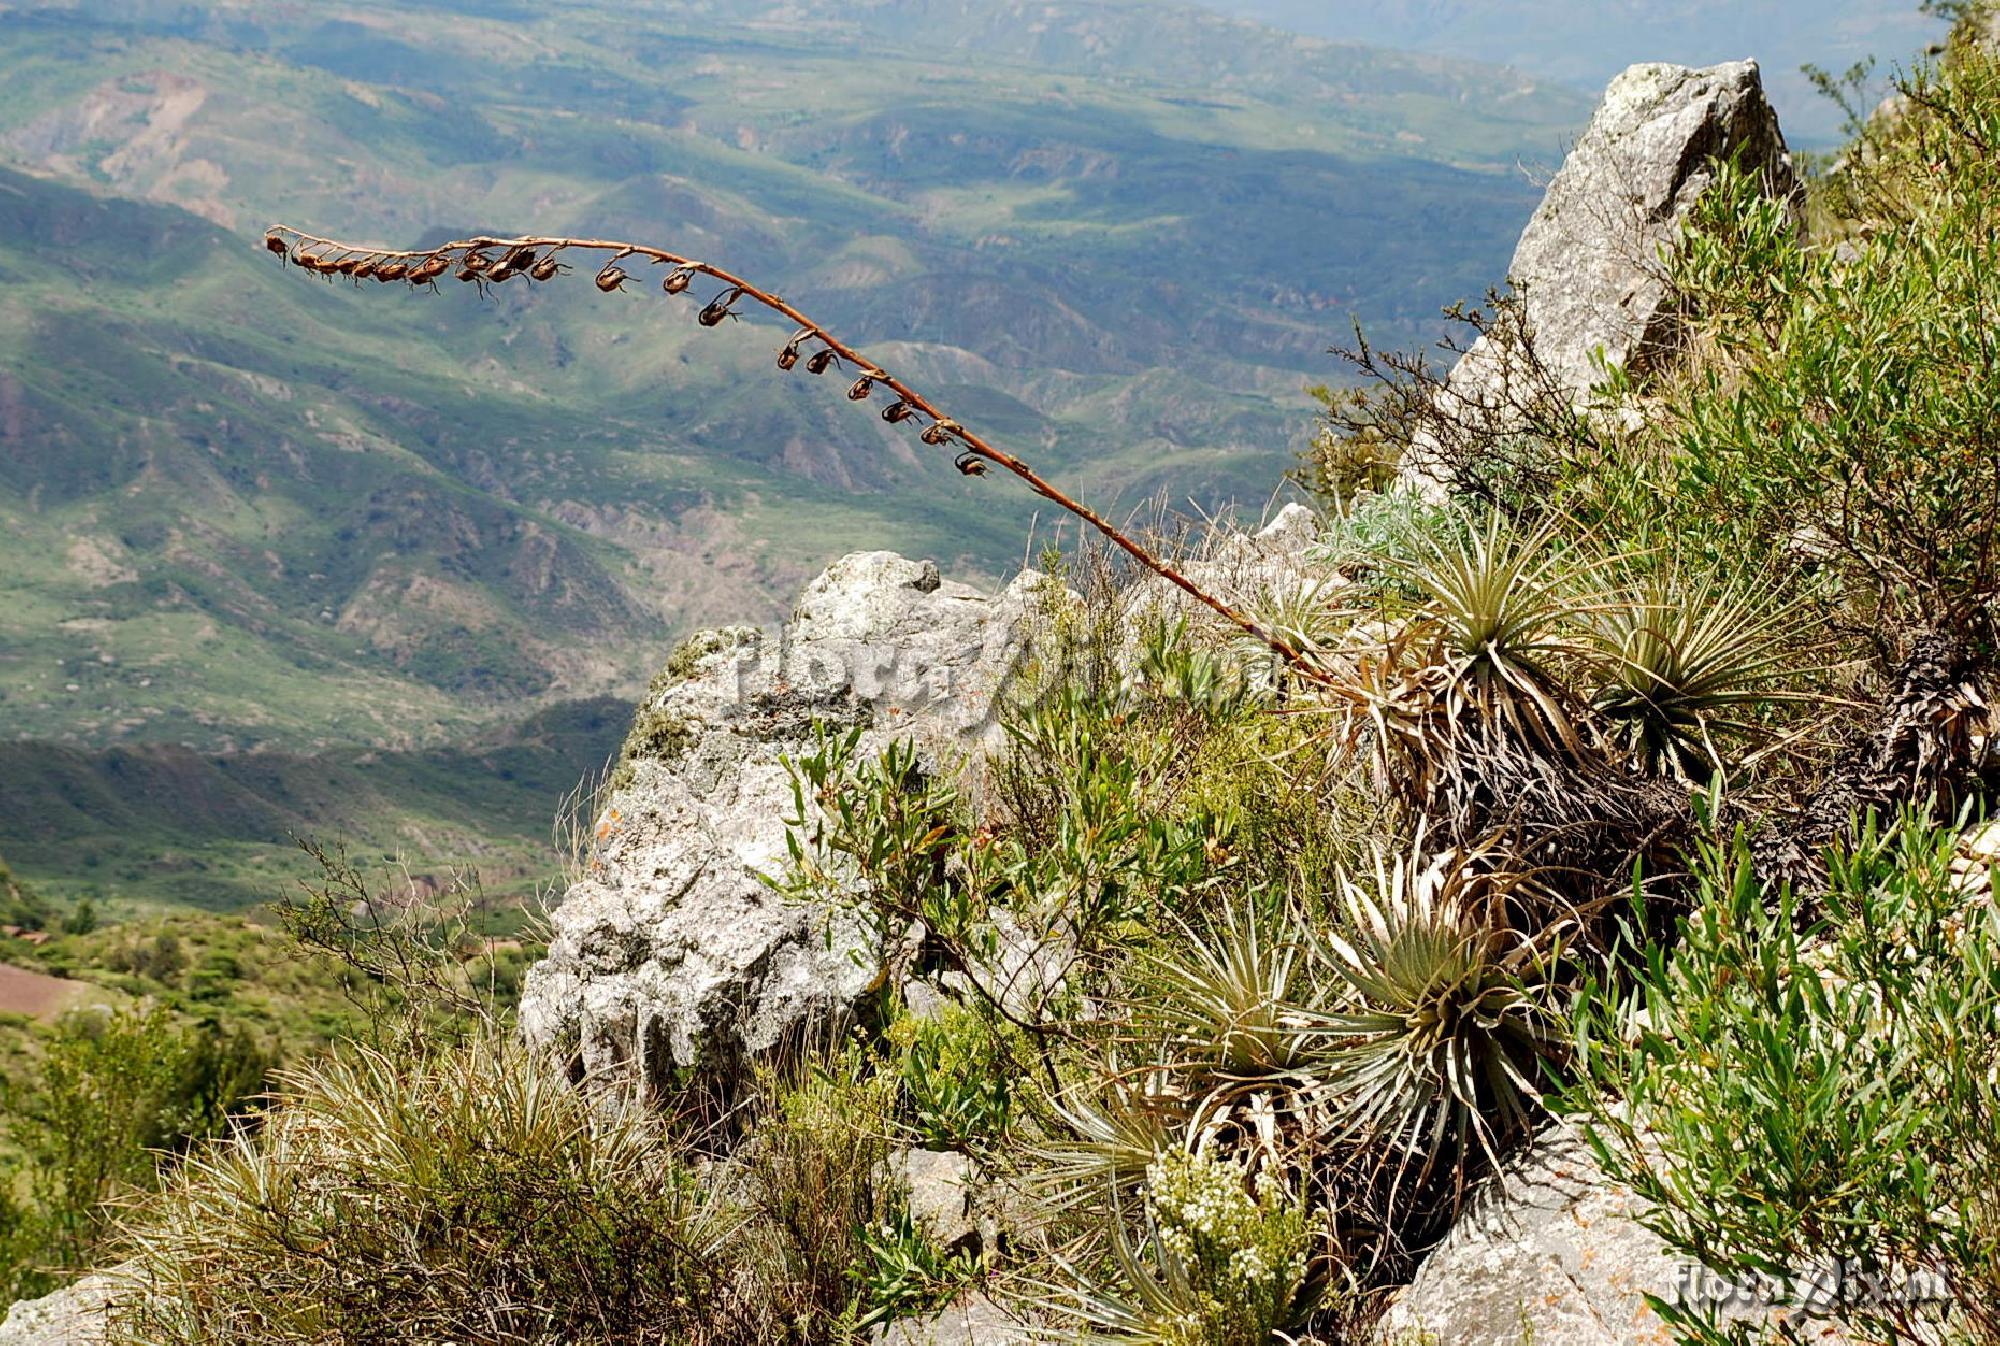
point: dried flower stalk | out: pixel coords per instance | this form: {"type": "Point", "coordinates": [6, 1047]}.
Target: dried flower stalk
{"type": "Point", "coordinates": [494, 261]}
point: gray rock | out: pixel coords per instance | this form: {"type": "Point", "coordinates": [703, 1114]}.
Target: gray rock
{"type": "Point", "coordinates": [1262, 574]}
{"type": "Point", "coordinates": [939, 1185]}
{"type": "Point", "coordinates": [1554, 1254]}
{"type": "Point", "coordinates": [668, 949]}
{"type": "Point", "coordinates": [978, 1323]}
{"type": "Point", "coordinates": [73, 1316]}
{"type": "Point", "coordinates": [1589, 265]}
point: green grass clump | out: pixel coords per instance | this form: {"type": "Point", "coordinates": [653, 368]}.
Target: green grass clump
{"type": "Point", "coordinates": [469, 1196]}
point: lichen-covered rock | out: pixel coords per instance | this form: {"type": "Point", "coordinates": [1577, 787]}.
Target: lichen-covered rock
{"type": "Point", "coordinates": [1590, 259]}
{"type": "Point", "coordinates": [72, 1316]}
{"type": "Point", "coordinates": [1555, 1253]}
{"type": "Point", "coordinates": [979, 1322]}
{"type": "Point", "coordinates": [670, 950]}
{"type": "Point", "coordinates": [1589, 265]}
{"type": "Point", "coordinates": [939, 1186]}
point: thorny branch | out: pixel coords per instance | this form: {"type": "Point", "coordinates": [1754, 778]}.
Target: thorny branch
{"type": "Point", "coordinates": [493, 261]}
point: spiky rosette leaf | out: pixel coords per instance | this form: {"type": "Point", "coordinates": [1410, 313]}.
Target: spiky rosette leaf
{"type": "Point", "coordinates": [1683, 659]}
{"type": "Point", "coordinates": [1234, 1004]}
{"type": "Point", "coordinates": [1447, 1014]}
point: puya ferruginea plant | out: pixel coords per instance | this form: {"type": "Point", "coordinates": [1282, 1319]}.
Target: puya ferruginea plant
{"type": "Point", "coordinates": [495, 261]}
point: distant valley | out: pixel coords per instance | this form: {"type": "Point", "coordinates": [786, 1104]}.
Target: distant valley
{"type": "Point", "coordinates": [249, 512]}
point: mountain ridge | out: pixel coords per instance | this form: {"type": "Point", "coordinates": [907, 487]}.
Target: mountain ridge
{"type": "Point", "coordinates": [436, 512]}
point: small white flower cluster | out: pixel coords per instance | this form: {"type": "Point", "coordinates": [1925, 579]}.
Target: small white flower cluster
{"type": "Point", "coordinates": [1207, 1216]}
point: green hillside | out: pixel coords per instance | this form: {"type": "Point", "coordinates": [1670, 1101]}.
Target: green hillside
{"type": "Point", "coordinates": [246, 513]}
{"type": "Point", "coordinates": [249, 511]}
{"type": "Point", "coordinates": [162, 823]}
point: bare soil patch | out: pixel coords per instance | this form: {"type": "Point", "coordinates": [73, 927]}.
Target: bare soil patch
{"type": "Point", "coordinates": [33, 993]}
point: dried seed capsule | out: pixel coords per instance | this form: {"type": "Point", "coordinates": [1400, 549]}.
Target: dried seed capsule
{"type": "Point", "coordinates": [392, 271]}
{"type": "Point", "coordinates": [789, 356]}
{"type": "Point", "coordinates": [935, 433]}
{"type": "Point", "coordinates": [678, 279]}
{"type": "Point", "coordinates": [862, 387]}
{"type": "Point", "coordinates": [429, 269]}
{"type": "Point", "coordinates": [306, 259]}
{"type": "Point", "coordinates": [820, 361]}
{"type": "Point", "coordinates": [345, 266]}
{"type": "Point", "coordinates": [467, 273]}
{"type": "Point", "coordinates": [365, 268]}
{"type": "Point", "coordinates": [476, 261]}
{"type": "Point", "coordinates": [898, 411]}
{"type": "Point", "coordinates": [970, 466]}
{"type": "Point", "coordinates": [273, 243]}
{"type": "Point", "coordinates": [500, 273]}
{"type": "Point", "coordinates": [520, 259]}
{"type": "Point", "coordinates": [611, 277]}
{"type": "Point", "coordinates": [714, 312]}
{"type": "Point", "coordinates": [544, 269]}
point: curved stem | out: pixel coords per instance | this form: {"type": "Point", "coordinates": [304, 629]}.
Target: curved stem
{"type": "Point", "coordinates": [940, 429]}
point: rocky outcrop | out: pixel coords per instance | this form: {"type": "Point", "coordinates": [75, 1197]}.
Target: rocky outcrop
{"type": "Point", "coordinates": [73, 1316]}
{"type": "Point", "coordinates": [670, 950]}
{"type": "Point", "coordinates": [1589, 261]}
{"type": "Point", "coordinates": [1589, 268]}
{"type": "Point", "coordinates": [1554, 1253]}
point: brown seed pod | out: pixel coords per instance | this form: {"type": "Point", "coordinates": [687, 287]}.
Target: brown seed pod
{"type": "Point", "coordinates": [429, 269]}
{"type": "Point", "coordinates": [345, 266]}
{"type": "Point", "coordinates": [272, 243]}
{"type": "Point", "coordinates": [324, 266]}
{"type": "Point", "coordinates": [521, 258]}
{"type": "Point", "coordinates": [545, 269]}
{"type": "Point", "coordinates": [678, 279]}
{"type": "Point", "coordinates": [861, 388]}
{"type": "Point", "coordinates": [365, 268]}
{"type": "Point", "coordinates": [719, 307]}
{"type": "Point", "coordinates": [937, 432]}
{"type": "Point", "coordinates": [503, 272]}
{"type": "Point", "coordinates": [970, 465]}
{"type": "Point", "coordinates": [392, 271]}
{"type": "Point", "coordinates": [820, 361]}
{"type": "Point", "coordinates": [309, 260]}
{"type": "Point", "coordinates": [475, 261]}
{"type": "Point", "coordinates": [789, 356]}
{"type": "Point", "coordinates": [611, 277]}
{"type": "Point", "coordinates": [467, 273]}
{"type": "Point", "coordinates": [898, 411]}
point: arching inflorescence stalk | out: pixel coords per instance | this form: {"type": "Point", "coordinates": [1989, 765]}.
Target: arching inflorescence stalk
{"type": "Point", "coordinates": [495, 261]}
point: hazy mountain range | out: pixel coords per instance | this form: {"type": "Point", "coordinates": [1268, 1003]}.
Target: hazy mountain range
{"type": "Point", "coordinates": [1585, 44]}
{"type": "Point", "coordinates": [247, 507]}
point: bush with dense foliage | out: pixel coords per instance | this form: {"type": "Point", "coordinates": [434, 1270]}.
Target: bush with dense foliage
{"type": "Point", "coordinates": [1811, 1095]}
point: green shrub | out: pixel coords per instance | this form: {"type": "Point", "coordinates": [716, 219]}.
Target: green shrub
{"type": "Point", "coordinates": [958, 1077]}
{"type": "Point", "coordinates": [1797, 1089]}
{"type": "Point", "coordinates": [91, 1118]}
